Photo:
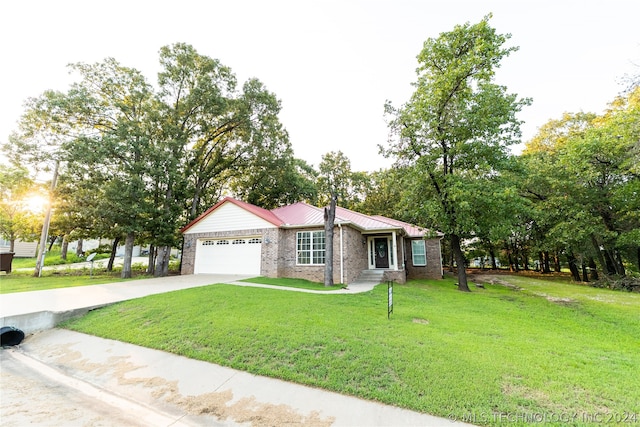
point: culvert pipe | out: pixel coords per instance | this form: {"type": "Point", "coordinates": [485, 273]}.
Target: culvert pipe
{"type": "Point", "coordinates": [10, 336]}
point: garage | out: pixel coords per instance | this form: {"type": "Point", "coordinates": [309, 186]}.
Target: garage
{"type": "Point", "coordinates": [236, 255]}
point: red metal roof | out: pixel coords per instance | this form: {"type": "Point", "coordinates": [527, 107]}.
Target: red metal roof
{"type": "Point", "coordinates": [302, 214]}
{"type": "Point", "coordinates": [412, 230]}
{"type": "Point", "coordinates": [362, 221]}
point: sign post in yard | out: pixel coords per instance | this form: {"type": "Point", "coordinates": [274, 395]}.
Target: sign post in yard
{"type": "Point", "coordinates": [390, 299]}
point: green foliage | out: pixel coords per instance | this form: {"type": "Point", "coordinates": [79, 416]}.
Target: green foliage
{"type": "Point", "coordinates": [141, 162]}
{"type": "Point", "coordinates": [546, 348]}
{"type": "Point", "coordinates": [581, 175]}
{"type": "Point", "coordinates": [16, 220]}
{"type": "Point", "coordinates": [455, 131]}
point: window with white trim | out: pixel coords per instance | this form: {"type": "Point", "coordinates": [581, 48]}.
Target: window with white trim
{"type": "Point", "coordinates": [418, 253]}
{"type": "Point", "coordinates": [310, 248]}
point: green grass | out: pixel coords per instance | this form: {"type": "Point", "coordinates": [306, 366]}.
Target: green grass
{"type": "Point", "coordinates": [23, 281]}
{"type": "Point", "coordinates": [489, 357]}
{"type": "Point", "coordinates": [292, 283]}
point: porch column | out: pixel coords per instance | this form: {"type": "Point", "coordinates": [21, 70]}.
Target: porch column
{"type": "Point", "coordinates": [394, 248]}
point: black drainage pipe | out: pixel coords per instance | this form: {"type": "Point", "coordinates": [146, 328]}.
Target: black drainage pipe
{"type": "Point", "coordinates": [10, 336]}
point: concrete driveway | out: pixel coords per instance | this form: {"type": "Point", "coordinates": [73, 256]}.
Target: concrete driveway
{"type": "Point", "coordinates": [40, 310]}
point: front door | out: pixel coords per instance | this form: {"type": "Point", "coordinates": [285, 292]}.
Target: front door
{"type": "Point", "coordinates": [381, 247]}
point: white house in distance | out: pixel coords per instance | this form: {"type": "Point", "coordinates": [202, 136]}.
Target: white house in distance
{"type": "Point", "coordinates": [21, 249]}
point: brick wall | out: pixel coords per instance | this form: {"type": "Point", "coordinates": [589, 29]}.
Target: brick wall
{"type": "Point", "coordinates": [354, 253]}
{"type": "Point", "coordinates": [433, 269]}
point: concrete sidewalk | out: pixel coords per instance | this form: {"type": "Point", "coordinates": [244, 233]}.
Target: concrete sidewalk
{"type": "Point", "coordinates": [162, 389]}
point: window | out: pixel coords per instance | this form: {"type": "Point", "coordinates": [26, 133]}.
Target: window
{"type": "Point", "coordinates": [222, 242]}
{"type": "Point", "coordinates": [208, 242]}
{"type": "Point", "coordinates": [418, 252]}
{"type": "Point", "coordinates": [239, 242]}
{"type": "Point", "coordinates": [310, 247]}
{"type": "Point", "coordinates": [255, 240]}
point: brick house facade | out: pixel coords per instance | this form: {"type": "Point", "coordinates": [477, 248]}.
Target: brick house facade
{"type": "Point", "coordinates": [234, 237]}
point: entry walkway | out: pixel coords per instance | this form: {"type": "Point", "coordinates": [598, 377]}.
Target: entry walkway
{"type": "Point", "coordinates": [106, 382]}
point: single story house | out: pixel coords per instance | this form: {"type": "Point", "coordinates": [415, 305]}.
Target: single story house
{"type": "Point", "coordinates": [235, 237]}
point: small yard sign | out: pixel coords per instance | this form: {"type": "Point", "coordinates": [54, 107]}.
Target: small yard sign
{"type": "Point", "coordinates": [390, 299]}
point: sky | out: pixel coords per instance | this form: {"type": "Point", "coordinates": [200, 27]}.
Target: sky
{"type": "Point", "coordinates": [333, 63]}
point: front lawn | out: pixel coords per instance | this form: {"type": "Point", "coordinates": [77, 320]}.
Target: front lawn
{"type": "Point", "coordinates": [494, 356]}
{"type": "Point", "coordinates": [23, 281]}
{"type": "Point", "coordinates": [292, 283]}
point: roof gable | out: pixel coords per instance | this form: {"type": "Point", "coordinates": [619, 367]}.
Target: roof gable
{"type": "Point", "coordinates": [232, 214]}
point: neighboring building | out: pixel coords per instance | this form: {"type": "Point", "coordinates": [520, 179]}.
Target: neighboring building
{"type": "Point", "coordinates": [89, 245]}
{"type": "Point", "coordinates": [21, 249]}
{"type": "Point", "coordinates": [234, 237]}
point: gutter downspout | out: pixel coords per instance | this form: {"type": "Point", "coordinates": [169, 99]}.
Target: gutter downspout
{"type": "Point", "coordinates": [341, 256]}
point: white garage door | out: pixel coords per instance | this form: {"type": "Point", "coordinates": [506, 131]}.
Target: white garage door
{"type": "Point", "coordinates": [228, 256]}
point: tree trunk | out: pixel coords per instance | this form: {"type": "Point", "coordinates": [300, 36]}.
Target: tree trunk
{"type": "Point", "coordinates": [151, 261]}
{"type": "Point", "coordinates": [112, 256]}
{"type": "Point", "coordinates": [12, 245]}
{"type": "Point", "coordinates": [460, 261]}
{"type": "Point", "coordinates": [594, 269]}
{"type": "Point", "coordinates": [452, 261]}
{"type": "Point", "coordinates": [585, 275]}
{"type": "Point", "coordinates": [52, 240]}
{"type": "Point", "coordinates": [65, 247]}
{"type": "Point", "coordinates": [601, 260]}
{"type": "Point", "coordinates": [546, 264]}
{"type": "Point", "coordinates": [510, 259]}
{"type": "Point", "coordinates": [573, 266]}
{"type": "Point", "coordinates": [128, 255]}
{"type": "Point", "coordinates": [610, 266]}
{"type": "Point", "coordinates": [329, 218]}
{"type": "Point", "coordinates": [492, 254]}
{"type": "Point", "coordinates": [79, 250]}
{"type": "Point", "coordinates": [619, 264]}
{"type": "Point", "coordinates": [556, 263]}
{"type": "Point", "coordinates": [194, 203]}
{"type": "Point", "coordinates": [162, 261]}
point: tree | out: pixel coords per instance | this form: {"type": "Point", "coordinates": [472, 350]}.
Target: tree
{"type": "Point", "coordinates": [582, 178]}
{"type": "Point", "coordinates": [156, 158]}
{"type": "Point", "coordinates": [382, 194]}
{"type": "Point", "coordinates": [16, 220]}
{"type": "Point", "coordinates": [276, 179]}
{"type": "Point", "coordinates": [455, 130]}
{"type": "Point", "coordinates": [334, 182]}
